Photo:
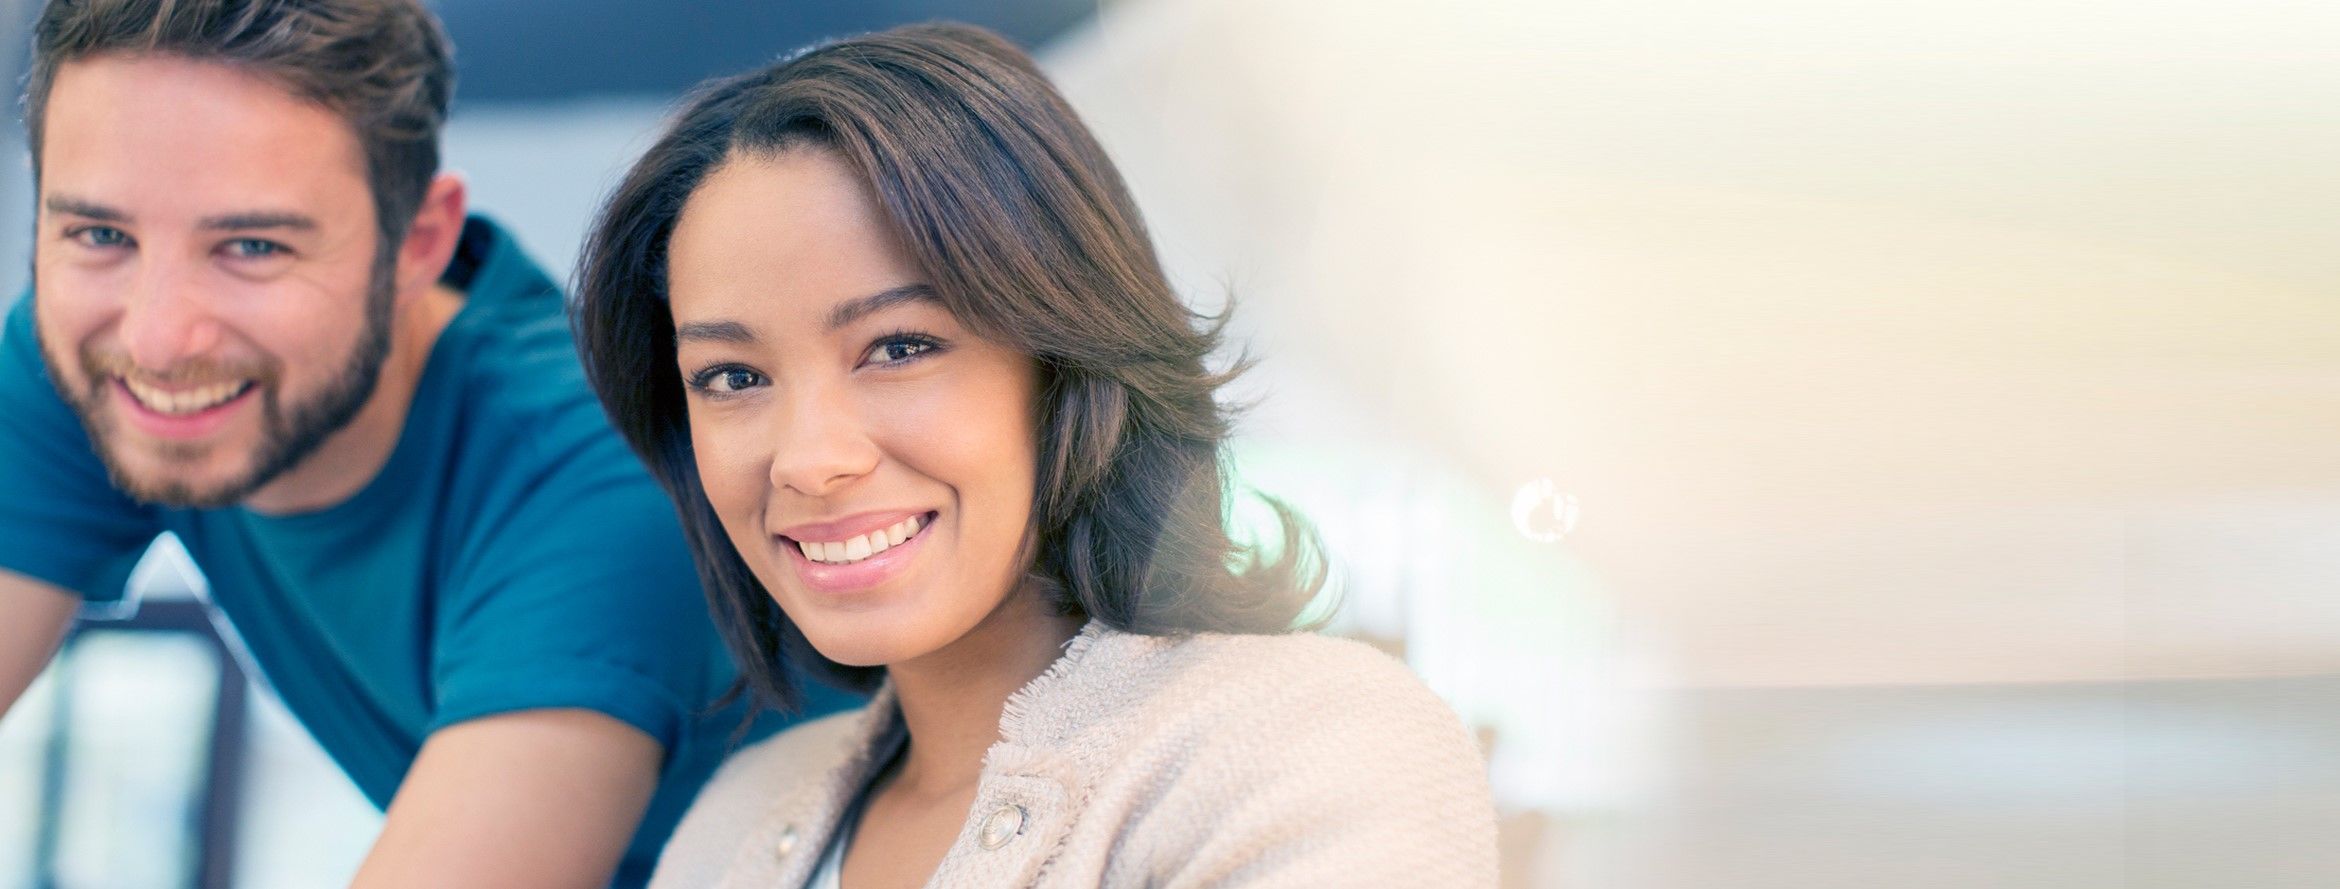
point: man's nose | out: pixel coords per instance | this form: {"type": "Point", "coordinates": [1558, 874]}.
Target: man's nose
{"type": "Point", "coordinates": [167, 319]}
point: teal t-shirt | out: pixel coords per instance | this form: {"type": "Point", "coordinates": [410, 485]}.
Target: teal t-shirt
{"type": "Point", "coordinates": [511, 555]}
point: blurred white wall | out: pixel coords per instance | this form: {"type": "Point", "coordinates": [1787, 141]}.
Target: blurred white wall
{"type": "Point", "coordinates": [1881, 342]}
{"type": "Point", "coordinates": [1945, 385]}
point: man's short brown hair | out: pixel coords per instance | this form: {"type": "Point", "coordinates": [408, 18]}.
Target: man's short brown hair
{"type": "Point", "coordinates": [382, 65]}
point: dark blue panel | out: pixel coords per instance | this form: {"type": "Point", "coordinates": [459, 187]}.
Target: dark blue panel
{"type": "Point", "coordinates": [520, 50]}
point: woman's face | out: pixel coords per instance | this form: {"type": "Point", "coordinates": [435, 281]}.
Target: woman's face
{"type": "Point", "coordinates": [870, 457]}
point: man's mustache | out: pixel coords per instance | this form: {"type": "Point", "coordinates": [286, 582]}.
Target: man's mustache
{"type": "Point", "coordinates": [103, 365]}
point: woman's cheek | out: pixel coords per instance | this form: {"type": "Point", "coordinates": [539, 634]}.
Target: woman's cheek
{"type": "Point", "coordinates": [731, 484]}
{"type": "Point", "coordinates": [964, 429]}
{"type": "Point", "coordinates": [978, 437]}
{"type": "Point", "coordinates": [921, 421]}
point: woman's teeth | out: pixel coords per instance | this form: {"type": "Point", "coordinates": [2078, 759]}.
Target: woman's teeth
{"type": "Point", "coordinates": [854, 549]}
{"type": "Point", "coordinates": [189, 401]}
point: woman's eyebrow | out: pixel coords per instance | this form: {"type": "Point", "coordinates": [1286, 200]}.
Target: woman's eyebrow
{"type": "Point", "coordinates": [731, 332]}
{"type": "Point", "coordinates": [855, 309]}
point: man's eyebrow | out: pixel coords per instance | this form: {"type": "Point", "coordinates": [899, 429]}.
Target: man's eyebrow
{"type": "Point", "coordinates": [240, 221]}
{"type": "Point", "coordinates": [715, 331]}
{"type": "Point", "coordinates": [855, 309]}
{"type": "Point", "coordinates": [259, 219]}
{"type": "Point", "coordinates": [73, 206]}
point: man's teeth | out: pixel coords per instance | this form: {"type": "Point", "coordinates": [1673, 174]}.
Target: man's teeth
{"type": "Point", "coordinates": [163, 401]}
{"type": "Point", "coordinates": [854, 549]}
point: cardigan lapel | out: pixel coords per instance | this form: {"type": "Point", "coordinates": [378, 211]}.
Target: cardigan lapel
{"type": "Point", "coordinates": [1022, 813]}
{"type": "Point", "coordinates": [1032, 787]}
{"type": "Point", "coordinates": [1024, 805]}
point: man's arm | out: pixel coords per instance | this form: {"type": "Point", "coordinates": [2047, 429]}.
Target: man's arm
{"type": "Point", "coordinates": [33, 619]}
{"type": "Point", "coordinates": [535, 799]}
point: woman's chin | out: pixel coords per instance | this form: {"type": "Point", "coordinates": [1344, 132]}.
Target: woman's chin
{"type": "Point", "coordinates": [858, 642]}
{"type": "Point", "coordinates": [854, 656]}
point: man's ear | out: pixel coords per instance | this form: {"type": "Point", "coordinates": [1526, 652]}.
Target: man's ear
{"type": "Point", "coordinates": [430, 241]}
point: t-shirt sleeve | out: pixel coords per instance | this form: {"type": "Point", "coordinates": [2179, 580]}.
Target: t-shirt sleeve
{"type": "Point", "coordinates": [580, 594]}
{"type": "Point", "coordinates": [61, 519]}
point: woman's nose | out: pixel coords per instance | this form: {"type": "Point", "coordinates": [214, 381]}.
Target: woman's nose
{"type": "Point", "coordinates": [819, 445]}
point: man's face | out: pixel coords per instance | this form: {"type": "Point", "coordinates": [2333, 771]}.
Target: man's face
{"type": "Point", "coordinates": [205, 277]}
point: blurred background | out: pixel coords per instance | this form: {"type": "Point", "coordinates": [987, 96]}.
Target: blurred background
{"type": "Point", "coordinates": [1815, 443]}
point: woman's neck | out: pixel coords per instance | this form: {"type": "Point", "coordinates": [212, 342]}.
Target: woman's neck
{"type": "Point", "coordinates": [952, 699]}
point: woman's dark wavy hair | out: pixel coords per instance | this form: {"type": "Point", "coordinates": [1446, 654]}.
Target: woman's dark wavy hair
{"type": "Point", "coordinates": [1013, 212]}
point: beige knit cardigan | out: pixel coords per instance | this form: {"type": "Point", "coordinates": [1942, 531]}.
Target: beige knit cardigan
{"type": "Point", "coordinates": [1143, 761]}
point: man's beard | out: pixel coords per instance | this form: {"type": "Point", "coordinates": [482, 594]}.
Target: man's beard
{"type": "Point", "coordinates": [289, 433]}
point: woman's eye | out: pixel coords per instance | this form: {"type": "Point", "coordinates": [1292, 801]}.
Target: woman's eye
{"type": "Point", "coordinates": [898, 349]}
{"type": "Point", "coordinates": [726, 380]}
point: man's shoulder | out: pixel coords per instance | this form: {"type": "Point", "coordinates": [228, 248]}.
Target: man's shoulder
{"type": "Point", "coordinates": [512, 329]}
{"type": "Point", "coordinates": [507, 364]}
{"type": "Point", "coordinates": [20, 352]}
{"type": "Point", "coordinates": [62, 520]}
{"type": "Point", "coordinates": [531, 453]}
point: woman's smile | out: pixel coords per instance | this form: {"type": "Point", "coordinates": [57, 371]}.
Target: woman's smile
{"type": "Point", "coordinates": [831, 559]}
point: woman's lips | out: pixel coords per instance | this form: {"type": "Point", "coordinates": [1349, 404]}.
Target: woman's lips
{"type": "Point", "coordinates": [850, 577]}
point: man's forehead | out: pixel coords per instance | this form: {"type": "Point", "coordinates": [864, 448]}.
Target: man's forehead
{"type": "Point", "coordinates": [192, 135]}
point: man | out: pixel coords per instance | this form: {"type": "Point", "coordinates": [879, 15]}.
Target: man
{"type": "Point", "coordinates": [261, 320]}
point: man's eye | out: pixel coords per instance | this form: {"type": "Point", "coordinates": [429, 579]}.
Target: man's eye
{"type": "Point", "coordinates": [253, 248]}
{"type": "Point", "coordinates": [726, 380]}
{"type": "Point", "coordinates": [100, 236]}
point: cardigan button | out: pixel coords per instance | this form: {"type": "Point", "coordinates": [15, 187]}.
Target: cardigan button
{"type": "Point", "coordinates": [787, 843]}
{"type": "Point", "coordinates": [1002, 825]}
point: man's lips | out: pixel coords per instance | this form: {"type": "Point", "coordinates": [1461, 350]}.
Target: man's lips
{"type": "Point", "coordinates": [183, 399]}
{"type": "Point", "coordinates": [180, 416]}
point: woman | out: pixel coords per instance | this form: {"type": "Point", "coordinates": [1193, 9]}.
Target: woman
{"type": "Point", "coordinates": [885, 322]}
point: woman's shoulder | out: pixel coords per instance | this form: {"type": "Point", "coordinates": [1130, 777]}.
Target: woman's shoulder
{"type": "Point", "coordinates": [1255, 672]}
{"type": "Point", "coordinates": [1265, 735]}
{"type": "Point", "coordinates": [1282, 686]}
{"type": "Point", "coordinates": [807, 748]}
{"type": "Point", "coordinates": [1299, 652]}
{"type": "Point", "coordinates": [741, 793]}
